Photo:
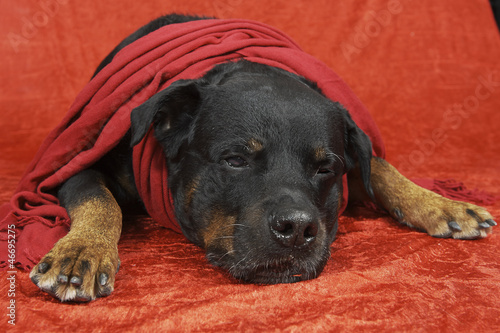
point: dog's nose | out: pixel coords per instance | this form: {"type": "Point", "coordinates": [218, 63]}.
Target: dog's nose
{"type": "Point", "coordinates": [294, 228]}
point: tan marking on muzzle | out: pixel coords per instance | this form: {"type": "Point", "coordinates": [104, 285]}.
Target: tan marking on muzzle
{"type": "Point", "coordinates": [219, 232]}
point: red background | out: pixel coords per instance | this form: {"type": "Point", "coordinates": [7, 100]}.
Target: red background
{"type": "Point", "coordinates": [411, 62]}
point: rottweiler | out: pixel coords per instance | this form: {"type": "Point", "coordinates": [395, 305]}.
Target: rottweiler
{"type": "Point", "coordinates": [255, 158]}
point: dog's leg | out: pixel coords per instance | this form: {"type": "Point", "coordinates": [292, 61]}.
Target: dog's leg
{"type": "Point", "coordinates": [420, 208]}
{"type": "Point", "coordinates": [82, 265]}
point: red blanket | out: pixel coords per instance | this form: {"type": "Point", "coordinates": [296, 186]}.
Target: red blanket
{"type": "Point", "coordinates": [100, 117]}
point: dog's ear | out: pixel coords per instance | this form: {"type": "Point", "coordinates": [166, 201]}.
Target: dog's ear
{"type": "Point", "coordinates": [357, 151]}
{"type": "Point", "coordinates": [171, 112]}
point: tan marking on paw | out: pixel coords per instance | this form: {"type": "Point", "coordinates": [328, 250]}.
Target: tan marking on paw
{"type": "Point", "coordinates": [422, 209]}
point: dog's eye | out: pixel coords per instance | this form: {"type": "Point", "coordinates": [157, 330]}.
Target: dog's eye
{"type": "Point", "coordinates": [236, 162]}
{"type": "Point", "coordinates": [324, 171]}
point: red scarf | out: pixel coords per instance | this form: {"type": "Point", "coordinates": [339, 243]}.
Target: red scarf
{"type": "Point", "coordinates": [100, 117]}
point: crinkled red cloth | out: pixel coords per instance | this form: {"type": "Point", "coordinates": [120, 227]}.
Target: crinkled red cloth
{"type": "Point", "coordinates": [100, 117]}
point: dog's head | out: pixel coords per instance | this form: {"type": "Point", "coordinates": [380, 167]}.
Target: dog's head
{"type": "Point", "coordinates": [255, 159]}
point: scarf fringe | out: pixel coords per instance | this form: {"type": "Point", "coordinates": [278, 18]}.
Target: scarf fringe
{"type": "Point", "coordinates": [455, 190]}
{"type": "Point", "coordinates": [29, 227]}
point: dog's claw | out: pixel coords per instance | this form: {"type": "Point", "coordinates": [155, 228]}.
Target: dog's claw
{"type": "Point", "coordinates": [103, 279]}
{"type": "Point", "coordinates": [43, 268]}
{"type": "Point", "coordinates": [484, 225]}
{"type": "Point", "coordinates": [63, 279]}
{"type": "Point", "coordinates": [491, 222]}
{"type": "Point", "coordinates": [76, 281]}
{"type": "Point", "coordinates": [454, 226]}
{"type": "Point", "coordinates": [399, 214]}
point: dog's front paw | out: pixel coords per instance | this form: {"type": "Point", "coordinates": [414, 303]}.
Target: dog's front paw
{"type": "Point", "coordinates": [77, 269]}
{"type": "Point", "coordinates": [445, 218]}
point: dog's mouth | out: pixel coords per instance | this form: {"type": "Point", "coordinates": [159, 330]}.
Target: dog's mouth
{"type": "Point", "coordinates": [287, 269]}
{"type": "Point", "coordinates": [269, 274]}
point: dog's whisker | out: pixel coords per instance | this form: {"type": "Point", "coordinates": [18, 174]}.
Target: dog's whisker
{"type": "Point", "coordinates": [227, 253]}
{"type": "Point", "coordinates": [224, 237]}
{"type": "Point", "coordinates": [340, 158]}
{"type": "Point", "coordinates": [235, 266]}
{"type": "Point", "coordinates": [234, 225]}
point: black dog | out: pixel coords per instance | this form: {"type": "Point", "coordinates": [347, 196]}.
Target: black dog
{"type": "Point", "coordinates": [255, 159]}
